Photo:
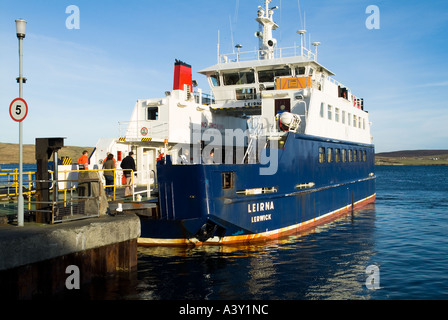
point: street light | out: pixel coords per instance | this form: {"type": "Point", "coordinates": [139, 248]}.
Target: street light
{"type": "Point", "coordinates": [21, 31]}
{"type": "Point", "coordinates": [20, 28]}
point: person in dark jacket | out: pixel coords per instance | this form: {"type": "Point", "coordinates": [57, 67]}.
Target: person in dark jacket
{"type": "Point", "coordinates": [128, 163]}
{"type": "Point", "coordinates": [109, 164]}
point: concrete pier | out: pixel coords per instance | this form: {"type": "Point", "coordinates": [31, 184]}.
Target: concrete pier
{"type": "Point", "coordinates": [35, 259]}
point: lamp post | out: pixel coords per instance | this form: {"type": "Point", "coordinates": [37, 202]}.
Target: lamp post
{"type": "Point", "coordinates": [20, 30]}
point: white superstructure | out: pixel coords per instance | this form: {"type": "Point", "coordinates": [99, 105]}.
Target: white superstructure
{"type": "Point", "coordinates": [268, 82]}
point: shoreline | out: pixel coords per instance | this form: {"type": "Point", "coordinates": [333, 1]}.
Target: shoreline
{"type": "Point", "coordinates": [9, 155]}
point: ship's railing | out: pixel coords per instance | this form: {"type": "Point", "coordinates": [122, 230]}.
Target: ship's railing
{"type": "Point", "coordinates": [337, 83]}
{"type": "Point", "coordinates": [295, 51]}
{"type": "Point", "coordinates": [204, 98]}
{"type": "Point", "coordinates": [150, 183]}
{"type": "Point", "coordinates": [133, 130]}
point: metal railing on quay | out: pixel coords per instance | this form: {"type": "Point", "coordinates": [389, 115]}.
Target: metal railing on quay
{"type": "Point", "coordinates": [9, 183]}
{"type": "Point", "coordinates": [117, 182]}
{"type": "Point", "coordinates": [68, 204]}
{"type": "Point", "coordinates": [79, 205]}
{"type": "Point", "coordinates": [58, 206]}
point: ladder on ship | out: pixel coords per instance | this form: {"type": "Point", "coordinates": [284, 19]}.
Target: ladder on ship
{"type": "Point", "coordinates": [255, 129]}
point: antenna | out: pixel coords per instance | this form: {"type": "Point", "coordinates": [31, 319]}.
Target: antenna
{"type": "Point", "coordinates": [237, 5]}
{"type": "Point", "coordinates": [218, 46]}
{"type": "Point", "coordinates": [304, 20]}
{"type": "Point", "coordinates": [231, 33]}
{"type": "Point", "coordinates": [300, 14]}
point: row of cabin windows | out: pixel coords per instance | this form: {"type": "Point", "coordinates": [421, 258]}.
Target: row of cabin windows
{"type": "Point", "coordinates": [341, 155]}
{"type": "Point", "coordinates": [247, 77]}
{"type": "Point", "coordinates": [342, 116]}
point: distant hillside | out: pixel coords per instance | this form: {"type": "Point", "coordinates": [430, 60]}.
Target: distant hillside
{"type": "Point", "coordinates": [412, 157]}
{"type": "Point", "coordinates": [413, 153]}
{"type": "Point", "coordinates": [9, 153]}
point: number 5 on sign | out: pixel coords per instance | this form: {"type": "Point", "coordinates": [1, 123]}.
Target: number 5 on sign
{"type": "Point", "coordinates": [18, 109]}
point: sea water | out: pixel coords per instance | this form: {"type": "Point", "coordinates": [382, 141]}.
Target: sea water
{"type": "Point", "coordinates": [396, 248]}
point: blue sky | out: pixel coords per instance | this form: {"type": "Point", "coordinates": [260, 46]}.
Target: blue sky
{"type": "Point", "coordinates": [81, 82]}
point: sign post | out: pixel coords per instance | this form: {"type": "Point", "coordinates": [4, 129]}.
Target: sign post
{"type": "Point", "coordinates": [18, 110]}
{"type": "Point", "coordinates": [18, 114]}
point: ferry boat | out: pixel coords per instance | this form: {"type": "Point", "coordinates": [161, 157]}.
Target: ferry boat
{"type": "Point", "coordinates": [279, 147]}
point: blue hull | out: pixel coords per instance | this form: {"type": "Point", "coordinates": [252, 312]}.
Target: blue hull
{"type": "Point", "coordinates": [224, 203]}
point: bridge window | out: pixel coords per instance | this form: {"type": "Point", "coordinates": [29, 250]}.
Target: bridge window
{"type": "Point", "coordinates": [231, 79]}
{"type": "Point", "coordinates": [300, 71]}
{"type": "Point", "coordinates": [269, 75]}
{"type": "Point", "coordinates": [246, 94]}
{"type": "Point", "coordinates": [214, 78]}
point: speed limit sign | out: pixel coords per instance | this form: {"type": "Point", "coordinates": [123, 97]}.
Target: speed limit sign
{"type": "Point", "coordinates": [18, 109]}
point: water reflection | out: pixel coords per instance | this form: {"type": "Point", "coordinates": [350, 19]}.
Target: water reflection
{"type": "Point", "coordinates": [328, 262]}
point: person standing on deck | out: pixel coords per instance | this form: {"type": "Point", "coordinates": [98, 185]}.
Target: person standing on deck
{"type": "Point", "coordinates": [109, 174]}
{"type": "Point", "coordinates": [83, 161]}
{"type": "Point", "coordinates": [128, 163]}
